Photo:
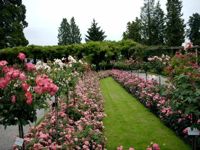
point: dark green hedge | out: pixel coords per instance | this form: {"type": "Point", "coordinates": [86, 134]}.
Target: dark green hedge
{"type": "Point", "coordinates": [94, 52]}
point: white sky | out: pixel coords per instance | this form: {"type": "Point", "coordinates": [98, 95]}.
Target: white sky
{"type": "Point", "coordinates": [44, 16]}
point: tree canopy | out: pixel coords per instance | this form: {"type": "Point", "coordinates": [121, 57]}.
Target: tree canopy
{"type": "Point", "coordinates": [12, 23]}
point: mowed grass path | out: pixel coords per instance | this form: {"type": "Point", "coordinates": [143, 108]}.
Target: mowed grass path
{"type": "Point", "coordinates": [129, 123]}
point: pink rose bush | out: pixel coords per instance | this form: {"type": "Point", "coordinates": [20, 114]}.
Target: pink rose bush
{"type": "Point", "coordinates": [76, 125]}
{"type": "Point", "coordinates": [153, 146]}
{"type": "Point", "coordinates": [19, 98]}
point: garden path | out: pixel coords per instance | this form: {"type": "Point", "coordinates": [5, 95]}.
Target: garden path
{"type": "Point", "coordinates": [8, 135]}
{"type": "Point", "coordinates": [160, 79]}
{"type": "Point", "coordinates": [129, 123]}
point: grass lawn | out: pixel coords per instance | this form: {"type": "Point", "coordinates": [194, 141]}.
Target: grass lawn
{"type": "Point", "coordinates": [129, 123]}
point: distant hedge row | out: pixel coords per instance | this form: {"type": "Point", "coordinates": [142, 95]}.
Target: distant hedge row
{"type": "Point", "coordinates": [94, 52]}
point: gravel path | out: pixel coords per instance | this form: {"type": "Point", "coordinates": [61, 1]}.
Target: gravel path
{"type": "Point", "coordinates": [8, 135]}
{"type": "Point", "coordinates": [159, 79]}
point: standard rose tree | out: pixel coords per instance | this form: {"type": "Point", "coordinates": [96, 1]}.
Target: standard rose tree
{"type": "Point", "coordinates": [22, 91]}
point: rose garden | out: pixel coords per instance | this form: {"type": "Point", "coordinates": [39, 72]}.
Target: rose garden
{"type": "Point", "coordinates": [77, 105]}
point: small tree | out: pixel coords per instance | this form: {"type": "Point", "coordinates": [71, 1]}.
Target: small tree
{"type": "Point", "coordinates": [23, 90]}
{"type": "Point", "coordinates": [193, 32]}
{"type": "Point", "coordinates": [95, 33]}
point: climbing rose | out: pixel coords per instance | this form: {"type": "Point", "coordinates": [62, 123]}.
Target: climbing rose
{"type": "Point", "coordinates": [21, 56]}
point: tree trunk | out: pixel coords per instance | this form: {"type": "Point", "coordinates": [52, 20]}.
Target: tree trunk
{"type": "Point", "coordinates": [21, 133]}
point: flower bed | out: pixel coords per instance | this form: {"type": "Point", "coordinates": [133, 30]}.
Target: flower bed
{"type": "Point", "coordinates": [76, 125]}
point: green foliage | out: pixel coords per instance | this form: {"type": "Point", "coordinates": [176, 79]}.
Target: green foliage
{"type": "Point", "coordinates": [186, 97]}
{"type": "Point", "coordinates": [175, 24]}
{"type": "Point", "coordinates": [95, 33]}
{"type": "Point", "coordinates": [68, 33]}
{"type": "Point", "coordinates": [184, 74]}
{"type": "Point", "coordinates": [194, 29]}
{"type": "Point", "coordinates": [93, 52]}
{"type": "Point", "coordinates": [133, 30]}
{"type": "Point", "coordinates": [12, 23]}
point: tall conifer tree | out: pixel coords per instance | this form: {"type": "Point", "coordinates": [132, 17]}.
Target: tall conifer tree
{"type": "Point", "coordinates": [194, 29]}
{"type": "Point", "coordinates": [95, 33]}
{"type": "Point", "coordinates": [175, 24]}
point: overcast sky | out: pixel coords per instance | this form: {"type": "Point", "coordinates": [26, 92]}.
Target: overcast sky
{"type": "Point", "coordinates": [44, 16]}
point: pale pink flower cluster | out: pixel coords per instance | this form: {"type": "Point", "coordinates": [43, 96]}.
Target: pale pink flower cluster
{"type": "Point", "coordinates": [164, 59]}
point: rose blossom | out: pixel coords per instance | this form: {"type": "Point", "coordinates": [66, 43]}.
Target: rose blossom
{"type": "Point", "coordinates": [3, 63]}
{"type": "Point", "coordinates": [29, 98]}
{"type": "Point", "coordinates": [13, 99]}
{"type": "Point", "coordinates": [25, 86]}
{"type": "Point", "coordinates": [156, 146]}
{"type": "Point", "coordinates": [30, 67]}
{"type": "Point", "coordinates": [21, 56]}
{"type": "Point", "coordinates": [22, 76]}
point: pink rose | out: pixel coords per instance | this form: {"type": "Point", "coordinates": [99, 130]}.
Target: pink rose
{"type": "Point", "coordinates": [13, 99]}
{"type": "Point", "coordinates": [21, 56]}
{"type": "Point", "coordinates": [29, 98]}
{"type": "Point", "coordinates": [3, 63]}
{"type": "Point", "coordinates": [25, 86]}
{"type": "Point", "coordinates": [156, 146]}
{"type": "Point", "coordinates": [38, 90]}
{"type": "Point", "coordinates": [4, 82]}
{"type": "Point", "coordinates": [15, 74]}
{"type": "Point", "coordinates": [30, 67]}
{"type": "Point", "coordinates": [22, 76]}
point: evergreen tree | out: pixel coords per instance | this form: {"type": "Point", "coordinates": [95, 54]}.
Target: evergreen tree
{"type": "Point", "coordinates": [147, 12]}
{"type": "Point", "coordinates": [175, 24]}
{"type": "Point", "coordinates": [133, 30]}
{"type": "Point", "coordinates": [193, 32]}
{"type": "Point", "coordinates": [158, 26]}
{"type": "Point", "coordinates": [95, 33]}
{"type": "Point", "coordinates": [75, 32]}
{"type": "Point", "coordinates": [12, 23]}
{"type": "Point", "coordinates": [68, 33]}
{"type": "Point", "coordinates": [64, 33]}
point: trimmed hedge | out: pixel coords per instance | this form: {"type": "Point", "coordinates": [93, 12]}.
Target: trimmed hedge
{"type": "Point", "coordinates": [93, 52]}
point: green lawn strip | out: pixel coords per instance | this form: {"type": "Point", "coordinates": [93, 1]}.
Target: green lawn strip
{"type": "Point", "coordinates": [129, 123]}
